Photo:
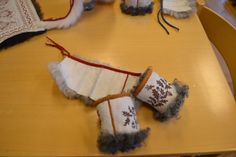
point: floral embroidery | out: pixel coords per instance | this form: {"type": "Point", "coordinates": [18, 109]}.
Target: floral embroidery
{"type": "Point", "coordinates": [160, 92]}
{"type": "Point", "coordinates": [3, 2]}
{"type": "Point", "coordinates": [16, 17]}
{"type": "Point", "coordinates": [6, 14]}
{"type": "Point", "coordinates": [130, 117]}
{"type": "Point", "coordinates": [4, 25]}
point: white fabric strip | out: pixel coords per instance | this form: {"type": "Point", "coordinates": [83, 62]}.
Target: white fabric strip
{"type": "Point", "coordinates": [95, 82]}
{"type": "Point", "coordinates": [79, 77]}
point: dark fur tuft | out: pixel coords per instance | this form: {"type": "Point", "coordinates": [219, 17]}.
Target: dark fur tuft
{"type": "Point", "coordinates": [136, 11]}
{"type": "Point", "coordinates": [182, 91]}
{"type": "Point", "coordinates": [89, 5]}
{"type": "Point", "coordinates": [108, 143]}
{"type": "Point", "coordinates": [38, 9]}
{"type": "Point", "coordinates": [18, 39]}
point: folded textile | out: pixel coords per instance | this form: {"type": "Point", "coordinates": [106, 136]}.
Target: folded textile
{"type": "Point", "coordinates": [136, 7]}
{"type": "Point", "coordinates": [22, 19]}
{"type": "Point", "coordinates": [120, 129]}
{"type": "Point", "coordinates": [166, 98]}
{"type": "Point", "coordinates": [90, 81]}
{"type": "Point", "coordinates": [18, 21]}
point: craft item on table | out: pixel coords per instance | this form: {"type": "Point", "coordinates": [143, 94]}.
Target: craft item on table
{"type": "Point", "coordinates": [136, 7]}
{"type": "Point", "coordinates": [160, 14]}
{"type": "Point", "coordinates": [166, 98]}
{"type": "Point", "coordinates": [179, 8]}
{"type": "Point", "coordinates": [22, 19]}
{"type": "Point", "coordinates": [87, 80]}
{"type": "Point", "coordinates": [120, 129]}
{"type": "Point", "coordinates": [19, 21]}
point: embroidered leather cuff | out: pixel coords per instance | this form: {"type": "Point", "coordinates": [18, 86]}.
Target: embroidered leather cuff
{"type": "Point", "coordinates": [166, 98]}
{"type": "Point", "coordinates": [119, 126]}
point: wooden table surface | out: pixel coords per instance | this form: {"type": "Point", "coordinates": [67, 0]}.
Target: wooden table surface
{"type": "Point", "coordinates": [36, 119]}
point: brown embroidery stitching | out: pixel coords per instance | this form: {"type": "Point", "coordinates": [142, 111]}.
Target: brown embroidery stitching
{"type": "Point", "coordinates": [3, 2]}
{"type": "Point", "coordinates": [160, 92]}
{"type": "Point", "coordinates": [130, 117]}
{"type": "Point", "coordinates": [9, 25]}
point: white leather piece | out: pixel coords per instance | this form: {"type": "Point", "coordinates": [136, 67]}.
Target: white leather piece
{"type": "Point", "coordinates": [108, 83]}
{"type": "Point", "coordinates": [79, 77]}
{"type": "Point", "coordinates": [105, 118]}
{"type": "Point", "coordinates": [119, 107]}
{"type": "Point", "coordinates": [145, 94]}
{"type": "Point", "coordinates": [144, 3]}
{"type": "Point", "coordinates": [123, 116]}
{"type": "Point", "coordinates": [131, 3]}
{"type": "Point", "coordinates": [94, 82]}
{"type": "Point", "coordinates": [177, 5]}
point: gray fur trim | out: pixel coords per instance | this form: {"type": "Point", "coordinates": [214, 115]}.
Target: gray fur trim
{"type": "Point", "coordinates": [89, 5]}
{"type": "Point", "coordinates": [173, 111]}
{"type": "Point", "coordinates": [69, 93]}
{"type": "Point", "coordinates": [136, 11]}
{"type": "Point", "coordinates": [108, 143]}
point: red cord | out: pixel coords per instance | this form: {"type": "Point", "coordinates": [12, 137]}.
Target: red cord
{"type": "Point", "coordinates": [72, 2]}
{"type": "Point", "coordinates": [66, 53]}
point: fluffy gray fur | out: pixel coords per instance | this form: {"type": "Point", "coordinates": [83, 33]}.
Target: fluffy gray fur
{"type": "Point", "coordinates": [108, 143]}
{"type": "Point", "coordinates": [184, 14]}
{"type": "Point", "coordinates": [136, 11]}
{"type": "Point", "coordinates": [60, 81]}
{"type": "Point", "coordinates": [89, 5]}
{"type": "Point", "coordinates": [182, 91]}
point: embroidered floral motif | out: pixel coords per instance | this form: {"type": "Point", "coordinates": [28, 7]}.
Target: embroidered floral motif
{"type": "Point", "coordinates": [4, 25]}
{"type": "Point", "coordinates": [130, 117]}
{"type": "Point", "coordinates": [160, 92]}
{"type": "Point", "coordinates": [3, 2]}
{"type": "Point", "coordinates": [6, 14]}
{"type": "Point", "coordinates": [16, 17]}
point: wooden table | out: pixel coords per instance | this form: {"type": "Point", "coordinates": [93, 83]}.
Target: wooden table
{"type": "Point", "coordinates": [36, 119]}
